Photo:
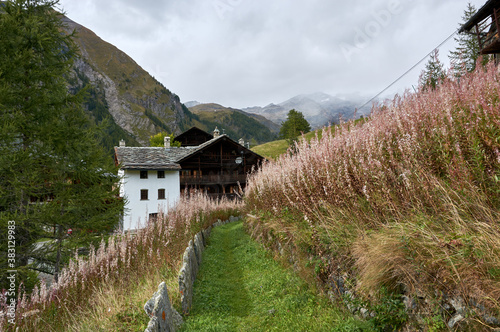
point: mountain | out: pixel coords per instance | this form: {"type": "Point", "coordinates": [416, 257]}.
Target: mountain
{"type": "Point", "coordinates": [130, 104]}
{"type": "Point", "coordinates": [192, 103]}
{"type": "Point", "coordinates": [319, 109]}
{"type": "Point", "coordinates": [235, 123]}
{"type": "Point", "coordinates": [134, 104]}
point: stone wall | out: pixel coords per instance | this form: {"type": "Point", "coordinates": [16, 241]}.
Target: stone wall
{"type": "Point", "coordinates": [420, 308]}
{"type": "Point", "coordinates": [164, 317]}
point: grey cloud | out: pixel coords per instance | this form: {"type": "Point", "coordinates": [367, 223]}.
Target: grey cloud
{"type": "Point", "coordinates": [252, 52]}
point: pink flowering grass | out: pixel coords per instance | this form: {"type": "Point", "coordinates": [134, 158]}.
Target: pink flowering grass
{"type": "Point", "coordinates": [120, 262]}
{"type": "Point", "coordinates": [407, 198]}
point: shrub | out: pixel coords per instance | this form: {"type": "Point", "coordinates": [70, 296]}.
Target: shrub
{"type": "Point", "coordinates": [412, 194]}
{"type": "Point", "coordinates": [119, 262]}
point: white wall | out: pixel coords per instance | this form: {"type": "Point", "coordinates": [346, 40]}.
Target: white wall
{"type": "Point", "coordinates": [136, 210]}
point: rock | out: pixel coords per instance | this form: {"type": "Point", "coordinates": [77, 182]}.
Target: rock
{"type": "Point", "coordinates": [490, 320]}
{"type": "Point", "coordinates": [337, 284]}
{"type": "Point", "coordinates": [364, 313]}
{"type": "Point", "coordinates": [458, 304]}
{"type": "Point", "coordinates": [454, 320]}
{"type": "Point", "coordinates": [187, 275]}
{"type": "Point", "coordinates": [192, 260]}
{"type": "Point", "coordinates": [409, 303]}
{"type": "Point", "coordinates": [164, 318]}
{"type": "Point", "coordinates": [177, 319]}
{"type": "Point", "coordinates": [153, 325]}
{"type": "Point", "coordinates": [198, 247]}
{"type": "Point", "coordinates": [206, 235]}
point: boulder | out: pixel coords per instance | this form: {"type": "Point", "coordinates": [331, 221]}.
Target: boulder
{"type": "Point", "coordinates": [164, 318]}
{"type": "Point", "coordinates": [198, 247]}
{"type": "Point", "coordinates": [187, 276]}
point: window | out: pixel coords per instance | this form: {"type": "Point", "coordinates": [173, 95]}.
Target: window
{"type": "Point", "coordinates": [144, 174]}
{"type": "Point", "coordinates": [153, 216]}
{"type": "Point", "coordinates": [161, 193]}
{"type": "Point", "coordinates": [144, 194]}
{"type": "Point", "coordinates": [161, 174]}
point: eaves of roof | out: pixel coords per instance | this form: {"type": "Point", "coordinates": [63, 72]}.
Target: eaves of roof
{"type": "Point", "coordinates": [480, 15]}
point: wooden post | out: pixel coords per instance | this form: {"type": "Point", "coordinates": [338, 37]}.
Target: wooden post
{"type": "Point", "coordinates": [496, 21]}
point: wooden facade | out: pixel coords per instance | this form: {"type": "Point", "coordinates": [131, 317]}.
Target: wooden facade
{"type": "Point", "coordinates": [485, 24]}
{"type": "Point", "coordinates": [218, 167]}
{"type": "Point", "coordinates": [193, 137]}
{"type": "Point", "coordinates": [213, 164]}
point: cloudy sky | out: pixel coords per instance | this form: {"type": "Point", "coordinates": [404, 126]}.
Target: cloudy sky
{"type": "Point", "coordinates": [242, 53]}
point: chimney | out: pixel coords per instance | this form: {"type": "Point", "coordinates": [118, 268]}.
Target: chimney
{"type": "Point", "coordinates": [166, 140]}
{"type": "Point", "coordinates": [216, 132]}
{"type": "Point", "coordinates": [122, 143]}
{"type": "Point", "coordinates": [241, 141]}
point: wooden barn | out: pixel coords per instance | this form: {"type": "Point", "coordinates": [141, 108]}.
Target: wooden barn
{"type": "Point", "coordinates": [218, 166]}
{"type": "Point", "coordinates": [485, 25]}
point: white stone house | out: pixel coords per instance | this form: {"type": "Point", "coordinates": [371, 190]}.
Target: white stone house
{"type": "Point", "coordinates": [151, 178]}
{"type": "Point", "coordinates": [149, 181]}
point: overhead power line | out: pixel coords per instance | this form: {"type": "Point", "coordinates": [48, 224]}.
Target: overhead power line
{"type": "Point", "coordinates": [409, 70]}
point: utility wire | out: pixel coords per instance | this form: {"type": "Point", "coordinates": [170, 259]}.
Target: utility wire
{"type": "Point", "coordinates": [409, 70]}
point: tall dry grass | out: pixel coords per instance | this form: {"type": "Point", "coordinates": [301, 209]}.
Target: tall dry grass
{"type": "Point", "coordinates": [119, 263]}
{"type": "Point", "coordinates": [408, 200]}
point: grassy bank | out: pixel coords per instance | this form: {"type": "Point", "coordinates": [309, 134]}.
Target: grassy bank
{"type": "Point", "coordinates": [106, 291]}
{"type": "Point", "coordinates": [407, 201]}
{"type": "Point", "coordinates": [241, 288]}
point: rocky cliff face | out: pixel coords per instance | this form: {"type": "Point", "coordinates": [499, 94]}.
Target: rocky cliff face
{"type": "Point", "coordinates": [137, 103]}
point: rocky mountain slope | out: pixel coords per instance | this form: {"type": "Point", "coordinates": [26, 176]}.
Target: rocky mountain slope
{"type": "Point", "coordinates": [138, 104]}
{"type": "Point", "coordinates": [131, 105]}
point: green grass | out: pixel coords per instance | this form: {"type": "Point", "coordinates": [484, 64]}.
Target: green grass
{"type": "Point", "coordinates": [274, 149]}
{"type": "Point", "coordinates": [241, 288]}
{"type": "Point", "coordinates": [271, 150]}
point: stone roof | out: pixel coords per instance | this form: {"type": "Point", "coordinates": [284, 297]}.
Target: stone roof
{"type": "Point", "coordinates": [159, 158]}
{"type": "Point", "coordinates": [143, 158]}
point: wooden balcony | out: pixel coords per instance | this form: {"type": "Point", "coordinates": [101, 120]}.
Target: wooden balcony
{"type": "Point", "coordinates": [212, 179]}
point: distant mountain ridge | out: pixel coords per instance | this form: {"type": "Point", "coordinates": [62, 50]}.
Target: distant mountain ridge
{"type": "Point", "coordinates": [136, 106]}
{"type": "Point", "coordinates": [235, 123]}
{"type": "Point", "coordinates": [319, 109]}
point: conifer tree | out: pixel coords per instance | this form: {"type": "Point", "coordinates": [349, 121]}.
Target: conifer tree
{"type": "Point", "coordinates": [464, 57]}
{"type": "Point", "coordinates": [56, 184]}
{"type": "Point", "coordinates": [433, 73]}
{"type": "Point", "coordinates": [294, 125]}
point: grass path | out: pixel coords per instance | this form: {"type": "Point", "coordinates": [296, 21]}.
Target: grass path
{"type": "Point", "coordinates": [241, 288]}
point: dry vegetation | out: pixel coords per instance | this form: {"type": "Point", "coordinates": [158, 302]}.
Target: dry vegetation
{"type": "Point", "coordinates": [106, 290]}
{"type": "Point", "coordinates": [408, 201]}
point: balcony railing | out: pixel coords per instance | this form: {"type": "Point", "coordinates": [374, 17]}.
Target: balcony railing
{"type": "Point", "coordinates": [487, 32]}
{"type": "Point", "coordinates": [212, 179]}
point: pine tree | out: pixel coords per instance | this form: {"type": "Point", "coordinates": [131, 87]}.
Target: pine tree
{"type": "Point", "coordinates": [53, 175]}
{"type": "Point", "coordinates": [433, 73]}
{"type": "Point", "coordinates": [464, 57]}
{"type": "Point", "coordinates": [294, 125]}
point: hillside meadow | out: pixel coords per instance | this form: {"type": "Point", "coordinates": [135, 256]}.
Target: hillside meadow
{"type": "Point", "coordinates": [406, 203]}
{"type": "Point", "coordinates": [403, 207]}
{"type": "Point", "coordinates": [106, 290]}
